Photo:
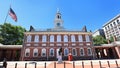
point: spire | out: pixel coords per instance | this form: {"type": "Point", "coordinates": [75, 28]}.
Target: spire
{"type": "Point", "coordinates": [31, 29]}
{"type": "Point", "coordinates": [84, 29]}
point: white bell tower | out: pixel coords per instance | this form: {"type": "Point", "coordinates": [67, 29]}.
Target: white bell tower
{"type": "Point", "coordinates": [58, 22]}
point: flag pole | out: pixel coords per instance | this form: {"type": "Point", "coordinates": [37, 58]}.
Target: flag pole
{"type": "Point", "coordinates": [7, 14]}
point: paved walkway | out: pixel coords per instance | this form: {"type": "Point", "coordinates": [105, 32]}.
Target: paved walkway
{"type": "Point", "coordinates": [66, 64]}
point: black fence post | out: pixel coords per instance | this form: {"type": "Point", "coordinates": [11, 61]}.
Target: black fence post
{"type": "Point", "coordinates": [15, 65]}
{"type": "Point", "coordinates": [35, 65]}
{"type": "Point", "coordinates": [116, 63]}
{"type": "Point", "coordinates": [25, 65]}
{"type": "Point", "coordinates": [45, 64]}
{"type": "Point", "coordinates": [108, 63]}
{"type": "Point", "coordinates": [100, 64]}
{"type": "Point", "coordinates": [64, 65]}
{"type": "Point", "coordinates": [82, 64]}
{"type": "Point", "coordinates": [73, 64]}
{"type": "Point", "coordinates": [91, 64]}
{"type": "Point", "coordinates": [54, 64]}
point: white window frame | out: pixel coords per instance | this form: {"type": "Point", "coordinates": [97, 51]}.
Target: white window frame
{"type": "Point", "coordinates": [51, 38]}
{"type": "Point", "coordinates": [44, 38]}
{"type": "Point", "coordinates": [36, 38]}
{"type": "Point", "coordinates": [27, 50]}
{"type": "Point", "coordinates": [83, 52]}
{"type": "Point", "coordinates": [29, 38]}
{"type": "Point", "coordinates": [66, 49]}
{"type": "Point", "coordinates": [75, 52]}
{"type": "Point", "coordinates": [43, 51]}
{"type": "Point", "coordinates": [65, 38]}
{"type": "Point", "coordinates": [87, 37]}
{"type": "Point", "coordinates": [88, 51]}
{"type": "Point", "coordinates": [51, 51]}
{"type": "Point", "coordinates": [72, 38]}
{"type": "Point", "coordinates": [35, 51]}
{"type": "Point", "coordinates": [58, 38]}
{"type": "Point", "coordinates": [80, 38]}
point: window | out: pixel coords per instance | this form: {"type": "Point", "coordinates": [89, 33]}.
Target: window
{"type": "Point", "coordinates": [27, 52]}
{"type": "Point", "coordinates": [72, 38]}
{"type": "Point", "coordinates": [66, 51]}
{"type": "Point", "coordinates": [44, 38]}
{"type": "Point", "coordinates": [58, 38]}
{"type": "Point", "coordinates": [74, 52]}
{"type": "Point", "coordinates": [52, 38]}
{"type": "Point", "coordinates": [65, 38]}
{"type": "Point", "coordinates": [111, 25]}
{"type": "Point", "coordinates": [114, 23]}
{"type": "Point", "coordinates": [43, 54]}
{"type": "Point", "coordinates": [29, 38]}
{"type": "Point", "coordinates": [105, 28]}
{"type": "Point", "coordinates": [28, 44]}
{"type": "Point", "coordinates": [89, 51]}
{"type": "Point", "coordinates": [51, 52]}
{"type": "Point", "coordinates": [80, 38]}
{"type": "Point", "coordinates": [87, 38]}
{"type": "Point", "coordinates": [35, 52]}
{"type": "Point", "coordinates": [82, 52]}
{"type": "Point", "coordinates": [118, 22]}
{"type": "Point", "coordinates": [36, 38]}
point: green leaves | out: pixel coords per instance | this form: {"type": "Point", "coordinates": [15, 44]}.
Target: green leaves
{"type": "Point", "coordinates": [11, 35]}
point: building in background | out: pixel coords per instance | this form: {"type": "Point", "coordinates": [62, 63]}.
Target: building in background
{"type": "Point", "coordinates": [99, 32]}
{"type": "Point", "coordinates": [112, 28]}
{"type": "Point", "coordinates": [46, 44]}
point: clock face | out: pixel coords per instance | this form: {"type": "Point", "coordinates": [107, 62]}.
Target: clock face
{"type": "Point", "coordinates": [58, 24]}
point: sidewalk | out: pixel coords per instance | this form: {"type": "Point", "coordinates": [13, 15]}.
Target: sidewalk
{"type": "Point", "coordinates": [66, 64]}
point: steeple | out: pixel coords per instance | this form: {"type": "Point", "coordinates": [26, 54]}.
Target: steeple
{"type": "Point", "coordinates": [58, 22]}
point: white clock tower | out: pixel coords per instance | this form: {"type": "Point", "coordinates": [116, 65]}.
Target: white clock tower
{"type": "Point", "coordinates": [58, 22]}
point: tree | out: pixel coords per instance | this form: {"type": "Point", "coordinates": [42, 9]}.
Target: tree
{"type": "Point", "coordinates": [99, 40]}
{"type": "Point", "coordinates": [11, 35]}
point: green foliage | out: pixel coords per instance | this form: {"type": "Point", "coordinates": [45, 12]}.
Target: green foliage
{"type": "Point", "coordinates": [99, 40]}
{"type": "Point", "coordinates": [11, 35]}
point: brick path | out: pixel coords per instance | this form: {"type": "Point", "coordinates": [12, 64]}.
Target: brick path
{"type": "Point", "coordinates": [66, 64]}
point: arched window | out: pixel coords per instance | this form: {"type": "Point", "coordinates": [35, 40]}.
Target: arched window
{"type": "Point", "coordinates": [27, 52]}
{"type": "Point", "coordinates": [43, 54]}
{"type": "Point", "coordinates": [36, 38]}
{"type": "Point", "coordinates": [51, 52]}
{"type": "Point", "coordinates": [89, 51]}
{"type": "Point", "coordinates": [66, 51]}
{"type": "Point", "coordinates": [65, 38]}
{"type": "Point", "coordinates": [87, 38]}
{"type": "Point", "coordinates": [72, 38]}
{"type": "Point", "coordinates": [74, 52]}
{"type": "Point", "coordinates": [118, 21]}
{"type": "Point", "coordinates": [29, 38]}
{"type": "Point", "coordinates": [35, 52]}
{"type": "Point", "coordinates": [44, 38]}
{"type": "Point", "coordinates": [82, 52]}
{"type": "Point", "coordinates": [52, 38]}
{"type": "Point", "coordinates": [58, 38]}
{"type": "Point", "coordinates": [80, 38]}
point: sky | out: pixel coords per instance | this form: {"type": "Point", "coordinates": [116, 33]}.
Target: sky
{"type": "Point", "coordinates": [75, 13]}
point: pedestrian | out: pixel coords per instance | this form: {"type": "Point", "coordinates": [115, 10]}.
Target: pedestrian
{"type": "Point", "coordinates": [4, 63]}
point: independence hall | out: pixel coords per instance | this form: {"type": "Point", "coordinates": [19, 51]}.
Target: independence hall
{"type": "Point", "coordinates": [45, 44]}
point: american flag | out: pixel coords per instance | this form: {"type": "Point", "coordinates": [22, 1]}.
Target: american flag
{"type": "Point", "coordinates": [13, 15]}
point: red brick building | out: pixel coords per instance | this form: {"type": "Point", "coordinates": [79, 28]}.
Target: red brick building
{"type": "Point", "coordinates": [45, 44]}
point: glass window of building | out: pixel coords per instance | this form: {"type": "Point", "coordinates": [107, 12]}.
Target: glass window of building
{"type": "Point", "coordinates": [58, 38]}
{"type": "Point", "coordinates": [44, 38]}
{"type": "Point", "coordinates": [111, 25]}
{"type": "Point", "coordinates": [66, 51]}
{"type": "Point", "coordinates": [114, 23]}
{"type": "Point", "coordinates": [82, 52]}
{"type": "Point", "coordinates": [80, 38]}
{"type": "Point", "coordinates": [35, 52]}
{"type": "Point", "coordinates": [89, 51]}
{"type": "Point", "coordinates": [51, 52]}
{"type": "Point", "coordinates": [87, 38]}
{"type": "Point", "coordinates": [27, 52]}
{"type": "Point", "coordinates": [52, 38]}
{"type": "Point", "coordinates": [65, 38]}
{"type": "Point", "coordinates": [118, 22]}
{"type": "Point", "coordinates": [36, 38]}
{"type": "Point", "coordinates": [74, 52]}
{"type": "Point", "coordinates": [72, 38]}
{"type": "Point", "coordinates": [29, 38]}
{"type": "Point", "coordinates": [43, 54]}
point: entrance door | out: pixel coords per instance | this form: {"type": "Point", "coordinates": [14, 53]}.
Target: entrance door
{"type": "Point", "coordinates": [57, 52]}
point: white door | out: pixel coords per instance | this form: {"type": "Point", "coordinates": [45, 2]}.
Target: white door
{"type": "Point", "coordinates": [57, 52]}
